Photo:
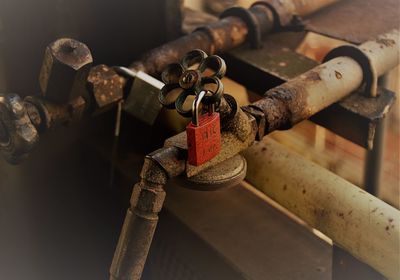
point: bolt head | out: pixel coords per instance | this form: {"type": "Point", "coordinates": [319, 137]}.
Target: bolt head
{"type": "Point", "coordinates": [105, 85]}
{"type": "Point", "coordinates": [64, 71]}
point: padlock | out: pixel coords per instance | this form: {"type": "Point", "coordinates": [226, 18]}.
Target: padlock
{"type": "Point", "coordinates": [203, 133]}
{"type": "Point", "coordinates": [142, 102]}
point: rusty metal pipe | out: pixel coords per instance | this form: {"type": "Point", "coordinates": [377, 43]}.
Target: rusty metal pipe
{"type": "Point", "coordinates": [360, 223]}
{"type": "Point", "coordinates": [227, 33]}
{"type": "Point", "coordinates": [140, 223]}
{"type": "Point", "coordinates": [141, 218]}
{"type": "Point", "coordinates": [311, 92]}
{"type": "Point", "coordinates": [217, 37]}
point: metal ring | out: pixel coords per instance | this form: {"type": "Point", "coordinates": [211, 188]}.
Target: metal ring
{"type": "Point", "coordinates": [180, 101]}
{"type": "Point", "coordinates": [215, 98]}
{"type": "Point", "coordinates": [172, 73]}
{"type": "Point", "coordinates": [232, 103]}
{"type": "Point", "coordinates": [162, 96]}
{"type": "Point", "coordinates": [195, 107]}
{"type": "Point", "coordinates": [216, 63]}
{"type": "Point", "coordinates": [193, 57]}
{"type": "Point", "coordinates": [370, 78]}
{"type": "Point", "coordinates": [254, 35]}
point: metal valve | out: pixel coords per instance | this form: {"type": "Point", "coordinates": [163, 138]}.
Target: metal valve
{"type": "Point", "coordinates": [70, 87]}
{"type": "Point", "coordinates": [199, 75]}
{"type": "Point", "coordinates": [18, 134]}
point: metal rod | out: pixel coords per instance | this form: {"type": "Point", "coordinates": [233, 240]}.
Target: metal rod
{"type": "Point", "coordinates": [373, 160]}
{"type": "Point", "coordinates": [141, 218]}
{"type": "Point", "coordinates": [360, 223]}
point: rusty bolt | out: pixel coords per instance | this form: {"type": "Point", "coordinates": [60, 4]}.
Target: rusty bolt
{"type": "Point", "coordinates": [18, 135]}
{"type": "Point", "coordinates": [64, 71]}
{"type": "Point", "coordinates": [148, 200]}
{"type": "Point", "coordinates": [105, 85]}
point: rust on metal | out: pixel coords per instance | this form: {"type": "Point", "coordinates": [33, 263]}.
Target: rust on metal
{"type": "Point", "coordinates": [356, 116]}
{"type": "Point", "coordinates": [237, 135]}
{"type": "Point", "coordinates": [286, 10]}
{"type": "Point", "coordinates": [226, 174]}
{"type": "Point", "coordinates": [216, 37]}
{"type": "Point", "coordinates": [309, 93]}
{"type": "Point", "coordinates": [352, 218]}
{"type": "Point", "coordinates": [141, 219]}
{"type": "Point", "coordinates": [70, 52]}
{"type": "Point", "coordinates": [106, 85]}
{"type": "Point", "coordinates": [225, 34]}
{"type": "Point", "coordinates": [65, 67]}
{"type": "Point", "coordinates": [18, 135]}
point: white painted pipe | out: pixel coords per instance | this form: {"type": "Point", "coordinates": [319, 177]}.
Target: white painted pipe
{"type": "Point", "coordinates": [360, 223]}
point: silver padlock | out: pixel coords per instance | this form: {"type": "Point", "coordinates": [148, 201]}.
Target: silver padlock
{"type": "Point", "coordinates": [142, 102]}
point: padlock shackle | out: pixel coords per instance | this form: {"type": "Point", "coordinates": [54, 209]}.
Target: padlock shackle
{"type": "Point", "coordinates": [195, 107]}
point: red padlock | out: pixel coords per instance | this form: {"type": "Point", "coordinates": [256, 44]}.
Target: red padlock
{"type": "Point", "coordinates": [203, 134]}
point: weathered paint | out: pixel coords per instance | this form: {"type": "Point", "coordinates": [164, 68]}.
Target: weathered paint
{"type": "Point", "coordinates": [358, 222]}
{"type": "Point", "coordinates": [313, 91]}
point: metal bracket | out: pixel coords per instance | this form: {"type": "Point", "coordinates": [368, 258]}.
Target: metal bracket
{"type": "Point", "coordinates": [370, 77]}
{"type": "Point", "coordinates": [254, 35]}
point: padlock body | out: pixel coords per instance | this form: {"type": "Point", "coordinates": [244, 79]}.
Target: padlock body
{"type": "Point", "coordinates": [204, 140]}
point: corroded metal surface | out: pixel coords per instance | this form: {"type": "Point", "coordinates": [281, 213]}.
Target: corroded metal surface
{"type": "Point", "coordinates": [106, 86]}
{"type": "Point", "coordinates": [356, 21]}
{"type": "Point", "coordinates": [140, 222]}
{"type": "Point", "coordinates": [65, 67]}
{"type": "Point", "coordinates": [356, 116]}
{"type": "Point", "coordinates": [233, 140]}
{"type": "Point", "coordinates": [226, 174]}
{"type": "Point", "coordinates": [286, 10]}
{"type": "Point", "coordinates": [18, 135]}
{"type": "Point", "coordinates": [313, 91]}
{"type": "Point", "coordinates": [276, 63]}
{"type": "Point", "coordinates": [223, 35]}
{"type": "Point", "coordinates": [362, 224]}
{"type": "Point", "coordinates": [217, 37]}
{"type": "Point", "coordinates": [281, 107]}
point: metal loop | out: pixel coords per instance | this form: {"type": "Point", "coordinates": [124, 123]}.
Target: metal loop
{"type": "Point", "coordinates": [370, 77]}
{"type": "Point", "coordinates": [195, 107]}
{"type": "Point", "coordinates": [164, 92]}
{"type": "Point", "coordinates": [172, 73]}
{"type": "Point", "coordinates": [216, 95]}
{"type": "Point", "coordinates": [216, 63]}
{"type": "Point", "coordinates": [180, 101]}
{"type": "Point", "coordinates": [193, 57]}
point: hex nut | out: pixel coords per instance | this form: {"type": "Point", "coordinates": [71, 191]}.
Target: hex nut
{"type": "Point", "coordinates": [64, 71]}
{"type": "Point", "coordinates": [105, 85]}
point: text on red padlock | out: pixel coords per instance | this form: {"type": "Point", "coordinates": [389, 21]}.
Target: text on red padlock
{"type": "Point", "coordinates": [204, 140]}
